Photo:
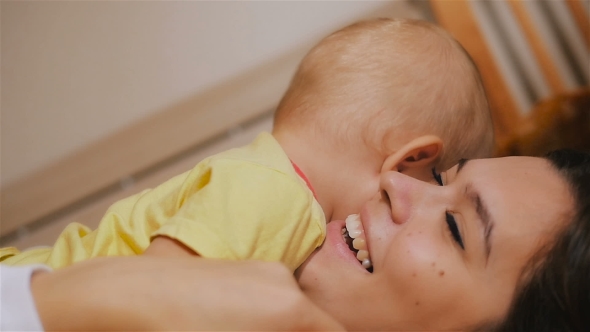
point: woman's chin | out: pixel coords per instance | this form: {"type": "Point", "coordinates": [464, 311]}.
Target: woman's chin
{"type": "Point", "coordinates": [334, 279]}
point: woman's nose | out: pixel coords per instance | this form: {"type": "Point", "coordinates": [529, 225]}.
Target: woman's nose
{"type": "Point", "coordinates": [404, 194]}
{"type": "Point", "coordinates": [396, 189]}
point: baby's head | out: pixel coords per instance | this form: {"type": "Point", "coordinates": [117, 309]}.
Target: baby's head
{"type": "Point", "coordinates": [380, 95]}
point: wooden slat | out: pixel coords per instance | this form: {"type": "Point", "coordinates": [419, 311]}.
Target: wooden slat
{"type": "Point", "coordinates": [539, 48]}
{"type": "Point", "coordinates": [458, 18]}
{"type": "Point", "coordinates": [146, 143]}
{"type": "Point", "coordinates": [580, 14]}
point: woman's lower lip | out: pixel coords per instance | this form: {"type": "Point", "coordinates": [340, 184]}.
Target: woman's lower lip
{"type": "Point", "coordinates": [335, 241]}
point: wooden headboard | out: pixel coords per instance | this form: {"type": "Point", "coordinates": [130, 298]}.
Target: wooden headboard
{"type": "Point", "coordinates": [527, 51]}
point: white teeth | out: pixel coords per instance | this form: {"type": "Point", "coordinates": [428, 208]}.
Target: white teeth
{"type": "Point", "coordinates": [353, 221]}
{"type": "Point", "coordinates": [362, 255]}
{"type": "Point", "coordinates": [353, 225]}
{"type": "Point", "coordinates": [355, 231]}
{"type": "Point", "coordinates": [359, 243]}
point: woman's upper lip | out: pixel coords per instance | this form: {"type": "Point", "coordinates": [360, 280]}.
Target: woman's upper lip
{"type": "Point", "coordinates": [371, 215]}
{"type": "Point", "coordinates": [366, 222]}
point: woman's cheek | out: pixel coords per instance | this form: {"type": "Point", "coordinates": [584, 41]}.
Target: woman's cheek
{"type": "Point", "coordinates": [414, 259]}
{"type": "Point", "coordinates": [420, 270]}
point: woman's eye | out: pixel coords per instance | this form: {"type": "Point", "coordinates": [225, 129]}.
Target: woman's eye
{"type": "Point", "coordinates": [450, 219]}
{"type": "Point", "coordinates": [452, 224]}
{"type": "Point", "coordinates": [437, 177]}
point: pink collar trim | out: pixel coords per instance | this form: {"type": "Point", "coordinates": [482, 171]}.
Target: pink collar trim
{"type": "Point", "coordinates": [302, 175]}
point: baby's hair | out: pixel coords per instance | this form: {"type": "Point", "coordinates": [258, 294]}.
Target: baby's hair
{"type": "Point", "coordinates": [375, 80]}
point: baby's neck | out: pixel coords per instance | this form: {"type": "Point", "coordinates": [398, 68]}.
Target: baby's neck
{"type": "Point", "coordinates": [310, 161]}
{"type": "Point", "coordinates": [327, 169]}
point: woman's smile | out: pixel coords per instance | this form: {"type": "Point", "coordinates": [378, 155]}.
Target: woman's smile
{"type": "Point", "coordinates": [355, 237]}
{"type": "Point", "coordinates": [336, 243]}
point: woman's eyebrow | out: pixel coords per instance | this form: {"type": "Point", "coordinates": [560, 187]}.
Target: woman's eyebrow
{"type": "Point", "coordinates": [481, 210]}
{"type": "Point", "coordinates": [484, 217]}
{"type": "Point", "coordinates": [462, 162]}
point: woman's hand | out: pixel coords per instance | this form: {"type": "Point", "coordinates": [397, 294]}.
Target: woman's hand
{"type": "Point", "coordinates": [184, 293]}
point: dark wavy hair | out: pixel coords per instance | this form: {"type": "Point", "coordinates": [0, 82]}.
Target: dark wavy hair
{"type": "Point", "coordinates": [555, 293]}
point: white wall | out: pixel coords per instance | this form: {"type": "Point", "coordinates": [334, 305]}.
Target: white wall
{"type": "Point", "coordinates": [75, 72]}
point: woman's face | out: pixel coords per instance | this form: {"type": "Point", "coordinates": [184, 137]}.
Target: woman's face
{"type": "Point", "coordinates": [427, 272]}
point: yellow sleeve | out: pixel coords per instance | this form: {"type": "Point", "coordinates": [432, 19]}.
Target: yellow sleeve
{"type": "Point", "coordinates": [8, 252]}
{"type": "Point", "coordinates": [248, 211]}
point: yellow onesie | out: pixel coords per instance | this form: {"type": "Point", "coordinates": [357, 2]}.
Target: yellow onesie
{"type": "Point", "coordinates": [244, 203]}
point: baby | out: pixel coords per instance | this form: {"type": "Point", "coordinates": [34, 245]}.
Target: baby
{"type": "Point", "coordinates": [376, 96]}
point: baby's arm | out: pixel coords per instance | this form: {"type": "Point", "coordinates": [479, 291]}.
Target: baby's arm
{"type": "Point", "coordinates": [165, 246]}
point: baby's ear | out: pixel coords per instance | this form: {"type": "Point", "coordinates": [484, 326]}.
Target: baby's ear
{"type": "Point", "coordinates": [420, 152]}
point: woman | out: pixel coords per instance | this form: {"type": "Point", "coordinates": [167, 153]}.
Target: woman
{"type": "Point", "coordinates": [457, 256]}
{"type": "Point", "coordinates": [499, 244]}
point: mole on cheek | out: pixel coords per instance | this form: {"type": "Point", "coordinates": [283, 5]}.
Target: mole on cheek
{"type": "Point", "coordinates": [441, 273]}
{"type": "Point", "coordinates": [414, 274]}
{"type": "Point", "coordinates": [409, 234]}
{"type": "Point", "coordinates": [433, 264]}
{"type": "Point", "coordinates": [417, 303]}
